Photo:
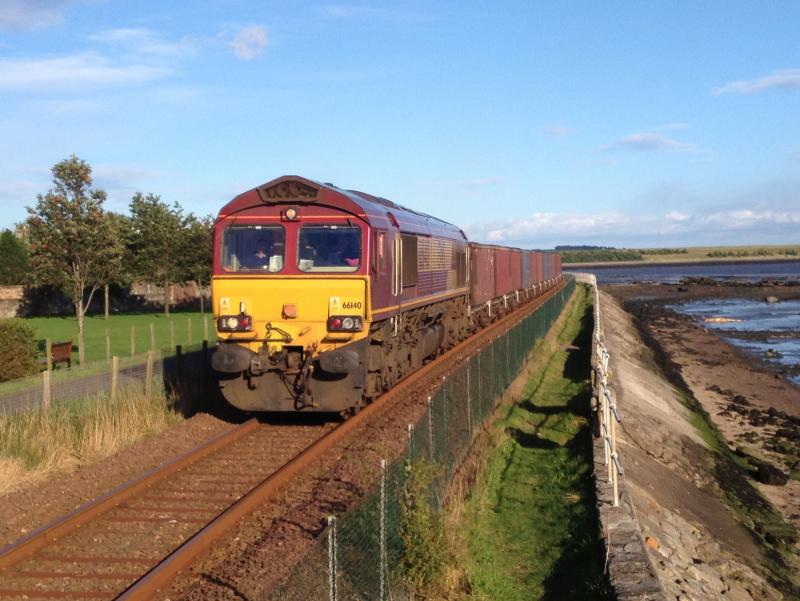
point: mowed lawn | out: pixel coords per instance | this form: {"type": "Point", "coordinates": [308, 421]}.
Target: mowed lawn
{"type": "Point", "coordinates": [62, 329]}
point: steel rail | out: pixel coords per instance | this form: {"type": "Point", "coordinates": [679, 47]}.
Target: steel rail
{"type": "Point", "coordinates": [164, 573]}
{"type": "Point", "coordinates": [42, 537]}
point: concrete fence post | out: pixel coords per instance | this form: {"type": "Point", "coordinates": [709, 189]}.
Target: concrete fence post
{"type": "Point", "coordinates": [133, 340]}
{"type": "Point", "coordinates": [108, 347]}
{"type": "Point", "coordinates": [332, 559]}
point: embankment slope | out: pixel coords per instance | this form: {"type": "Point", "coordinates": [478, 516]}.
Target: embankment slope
{"type": "Point", "coordinates": [700, 547]}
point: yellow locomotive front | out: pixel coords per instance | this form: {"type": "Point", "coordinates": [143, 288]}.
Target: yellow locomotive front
{"type": "Point", "coordinates": [291, 302]}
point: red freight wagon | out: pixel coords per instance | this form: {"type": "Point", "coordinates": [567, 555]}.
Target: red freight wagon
{"type": "Point", "coordinates": [502, 270]}
{"type": "Point", "coordinates": [514, 270]}
{"type": "Point", "coordinates": [548, 266]}
{"type": "Point", "coordinates": [481, 274]}
{"type": "Point", "coordinates": [538, 271]}
{"type": "Point", "coordinates": [527, 268]}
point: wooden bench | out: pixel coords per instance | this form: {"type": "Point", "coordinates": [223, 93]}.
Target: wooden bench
{"type": "Point", "coordinates": [60, 352]}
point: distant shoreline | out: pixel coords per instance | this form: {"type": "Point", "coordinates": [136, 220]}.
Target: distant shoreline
{"type": "Point", "coordinates": [709, 261]}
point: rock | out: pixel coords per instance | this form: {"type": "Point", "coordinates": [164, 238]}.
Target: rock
{"type": "Point", "coordinates": [769, 474]}
{"type": "Point", "coordinates": [773, 354]}
{"type": "Point", "coordinates": [741, 400]}
{"type": "Point", "coordinates": [772, 412]}
{"type": "Point", "coordinates": [771, 299]}
{"type": "Point", "coordinates": [651, 542]}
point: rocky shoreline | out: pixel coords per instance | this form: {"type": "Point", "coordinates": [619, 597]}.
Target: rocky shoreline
{"type": "Point", "coordinates": [710, 445]}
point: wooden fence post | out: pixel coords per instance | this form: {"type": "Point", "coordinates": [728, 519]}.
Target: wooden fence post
{"type": "Point", "coordinates": [133, 340]}
{"type": "Point", "coordinates": [48, 345]}
{"type": "Point", "coordinates": [114, 378]}
{"type": "Point", "coordinates": [152, 336]}
{"type": "Point", "coordinates": [108, 347]}
{"type": "Point", "coordinates": [205, 327]}
{"type": "Point", "coordinates": [46, 390]}
{"type": "Point", "coordinates": [171, 333]}
{"type": "Point", "coordinates": [148, 382]}
{"type": "Point", "coordinates": [188, 331]}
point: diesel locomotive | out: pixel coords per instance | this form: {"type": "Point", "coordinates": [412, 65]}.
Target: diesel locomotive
{"type": "Point", "coordinates": [324, 298]}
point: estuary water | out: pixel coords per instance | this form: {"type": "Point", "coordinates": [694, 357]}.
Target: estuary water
{"type": "Point", "coordinates": [750, 271]}
{"type": "Point", "coordinates": [770, 331]}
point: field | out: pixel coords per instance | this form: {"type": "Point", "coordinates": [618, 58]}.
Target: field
{"type": "Point", "coordinates": [61, 329]}
{"type": "Point", "coordinates": [683, 254]}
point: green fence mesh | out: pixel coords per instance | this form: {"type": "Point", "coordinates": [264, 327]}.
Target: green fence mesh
{"type": "Point", "coordinates": [361, 556]}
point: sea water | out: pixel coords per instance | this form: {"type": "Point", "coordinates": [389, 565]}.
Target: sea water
{"type": "Point", "coordinates": [768, 330]}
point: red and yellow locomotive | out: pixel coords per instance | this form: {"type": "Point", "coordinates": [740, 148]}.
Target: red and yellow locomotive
{"type": "Point", "coordinates": [324, 298]}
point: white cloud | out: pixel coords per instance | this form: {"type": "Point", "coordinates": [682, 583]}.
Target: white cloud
{"type": "Point", "coordinates": [359, 11]}
{"type": "Point", "coordinates": [32, 14]}
{"type": "Point", "coordinates": [250, 42]}
{"type": "Point", "coordinates": [556, 130]}
{"type": "Point", "coordinates": [547, 229]}
{"type": "Point", "coordinates": [786, 80]}
{"type": "Point", "coordinates": [652, 142]}
{"type": "Point", "coordinates": [144, 42]}
{"type": "Point", "coordinates": [75, 71]}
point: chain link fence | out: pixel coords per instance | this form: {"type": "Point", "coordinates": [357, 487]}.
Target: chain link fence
{"type": "Point", "coordinates": [369, 552]}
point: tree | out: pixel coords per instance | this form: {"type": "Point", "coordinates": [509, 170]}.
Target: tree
{"type": "Point", "coordinates": [14, 261]}
{"type": "Point", "coordinates": [157, 240]}
{"type": "Point", "coordinates": [117, 270]}
{"type": "Point", "coordinates": [197, 251]}
{"type": "Point", "coordinates": [71, 238]}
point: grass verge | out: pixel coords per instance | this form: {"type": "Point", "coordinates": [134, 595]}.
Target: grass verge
{"type": "Point", "coordinates": [529, 529]}
{"type": "Point", "coordinates": [36, 443]}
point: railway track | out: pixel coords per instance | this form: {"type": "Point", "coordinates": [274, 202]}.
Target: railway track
{"type": "Point", "coordinates": [132, 542]}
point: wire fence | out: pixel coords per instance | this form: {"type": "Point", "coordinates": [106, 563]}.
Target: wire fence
{"type": "Point", "coordinates": [369, 552]}
{"type": "Point", "coordinates": [154, 370]}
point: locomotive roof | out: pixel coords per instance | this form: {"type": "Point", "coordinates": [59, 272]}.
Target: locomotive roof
{"type": "Point", "coordinates": [293, 189]}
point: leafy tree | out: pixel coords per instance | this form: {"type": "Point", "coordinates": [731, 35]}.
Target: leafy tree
{"type": "Point", "coordinates": [118, 268]}
{"type": "Point", "coordinates": [156, 241]}
{"type": "Point", "coordinates": [14, 261]}
{"type": "Point", "coordinates": [197, 251]}
{"type": "Point", "coordinates": [71, 238]}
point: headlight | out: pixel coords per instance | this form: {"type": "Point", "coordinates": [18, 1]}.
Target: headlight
{"type": "Point", "coordinates": [345, 323]}
{"type": "Point", "coordinates": [235, 323]}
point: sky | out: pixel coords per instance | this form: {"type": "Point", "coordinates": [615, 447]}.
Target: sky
{"type": "Point", "coordinates": [532, 124]}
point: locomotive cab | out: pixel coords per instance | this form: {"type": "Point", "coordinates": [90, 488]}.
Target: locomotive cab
{"type": "Point", "coordinates": [290, 295]}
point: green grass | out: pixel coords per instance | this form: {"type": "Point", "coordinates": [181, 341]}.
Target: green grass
{"type": "Point", "coordinates": [61, 329]}
{"type": "Point", "coordinates": [531, 521]}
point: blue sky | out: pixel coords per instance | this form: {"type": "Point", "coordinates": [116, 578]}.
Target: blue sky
{"type": "Point", "coordinates": [525, 123]}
